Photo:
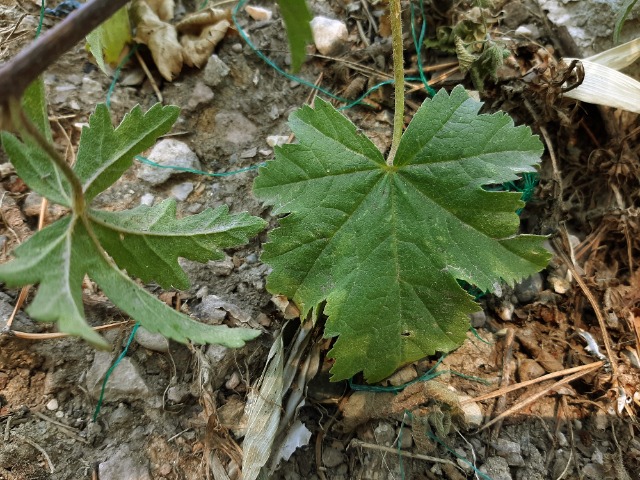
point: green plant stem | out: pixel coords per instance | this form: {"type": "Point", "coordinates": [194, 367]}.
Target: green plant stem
{"type": "Point", "coordinates": [398, 76]}
{"type": "Point", "coordinates": [26, 128]}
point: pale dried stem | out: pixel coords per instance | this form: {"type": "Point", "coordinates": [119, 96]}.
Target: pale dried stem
{"type": "Point", "coordinates": [512, 388]}
{"type": "Point", "coordinates": [152, 81]}
{"type": "Point", "coordinates": [395, 451]}
{"type": "Point", "coordinates": [535, 397]}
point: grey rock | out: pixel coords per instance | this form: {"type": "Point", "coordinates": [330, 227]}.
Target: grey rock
{"type": "Point", "coordinates": [200, 95]}
{"type": "Point", "coordinates": [509, 450]}
{"type": "Point", "coordinates": [124, 465]}
{"type": "Point", "coordinates": [178, 393]}
{"type": "Point", "coordinates": [251, 258]}
{"type": "Point", "coordinates": [168, 152]}
{"type": "Point", "coordinates": [529, 289]}
{"type": "Point", "coordinates": [236, 48]}
{"type": "Point", "coordinates": [215, 71]}
{"type": "Point", "coordinates": [478, 319]}
{"type": "Point", "coordinates": [496, 468]}
{"type": "Point", "coordinates": [591, 471]}
{"type": "Point", "coordinates": [182, 191]}
{"type": "Point", "coordinates": [32, 204]}
{"type": "Point", "coordinates": [120, 416]}
{"type": "Point", "coordinates": [222, 268]}
{"type": "Point", "coordinates": [213, 308]}
{"type": "Point", "coordinates": [152, 341]}
{"type": "Point", "coordinates": [332, 457]}
{"type": "Point", "coordinates": [384, 434]}
{"type": "Point", "coordinates": [238, 128]}
{"type": "Point", "coordinates": [125, 382]}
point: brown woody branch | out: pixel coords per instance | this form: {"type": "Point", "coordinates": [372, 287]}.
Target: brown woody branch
{"type": "Point", "coordinates": [24, 68]}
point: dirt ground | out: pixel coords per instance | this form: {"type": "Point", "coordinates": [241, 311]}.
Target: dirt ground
{"type": "Point", "coordinates": [176, 412]}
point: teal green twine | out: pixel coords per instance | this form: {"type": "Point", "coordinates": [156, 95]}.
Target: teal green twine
{"type": "Point", "coordinates": [477, 335]}
{"type": "Point", "coordinates": [39, 29]}
{"type": "Point", "coordinates": [418, 42]}
{"type": "Point", "coordinates": [348, 103]}
{"type": "Point", "coordinates": [425, 377]}
{"type": "Point", "coordinates": [480, 474]}
{"type": "Point", "coordinates": [111, 369]}
{"type": "Point", "coordinates": [116, 74]}
{"type": "Point", "coordinates": [198, 172]}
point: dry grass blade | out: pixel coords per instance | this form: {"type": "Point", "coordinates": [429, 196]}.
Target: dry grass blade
{"type": "Point", "coordinates": [49, 336]}
{"type": "Point", "coordinates": [512, 388]}
{"type": "Point", "coordinates": [594, 304]}
{"type": "Point", "coordinates": [536, 396]}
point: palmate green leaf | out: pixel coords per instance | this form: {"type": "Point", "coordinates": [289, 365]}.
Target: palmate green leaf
{"type": "Point", "coordinates": [384, 245]}
{"type": "Point", "coordinates": [296, 16]}
{"type": "Point", "coordinates": [106, 153]}
{"type": "Point", "coordinates": [147, 241]}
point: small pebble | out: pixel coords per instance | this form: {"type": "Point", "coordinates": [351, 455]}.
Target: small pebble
{"type": "Point", "coordinates": [182, 191]}
{"type": "Point", "coordinates": [329, 35]}
{"type": "Point", "coordinates": [258, 13]}
{"type": "Point", "coordinates": [331, 457]}
{"type": "Point", "coordinates": [276, 140]}
{"type": "Point", "coordinates": [132, 79]}
{"type": "Point", "coordinates": [200, 95]}
{"type": "Point", "coordinates": [478, 319]}
{"type": "Point", "coordinates": [233, 381]}
{"type": "Point", "coordinates": [236, 48]}
{"type": "Point", "coordinates": [52, 405]}
{"type": "Point", "coordinates": [147, 199]}
{"type": "Point", "coordinates": [32, 205]}
{"type": "Point", "coordinates": [473, 415]}
{"type": "Point", "coordinates": [251, 258]}
{"type": "Point", "coordinates": [151, 341]}
{"type": "Point", "coordinates": [168, 152]}
{"type": "Point", "coordinates": [215, 71]}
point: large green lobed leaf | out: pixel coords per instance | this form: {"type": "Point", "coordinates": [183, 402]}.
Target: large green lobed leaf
{"type": "Point", "coordinates": [384, 245]}
{"type": "Point", "coordinates": [145, 241]}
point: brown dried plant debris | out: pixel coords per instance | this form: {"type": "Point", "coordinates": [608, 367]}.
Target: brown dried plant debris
{"type": "Point", "coordinates": [190, 42]}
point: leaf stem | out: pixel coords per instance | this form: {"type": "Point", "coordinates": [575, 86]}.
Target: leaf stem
{"type": "Point", "coordinates": [398, 76]}
{"type": "Point", "coordinates": [26, 127]}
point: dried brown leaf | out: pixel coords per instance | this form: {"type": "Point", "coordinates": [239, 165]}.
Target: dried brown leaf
{"type": "Point", "coordinates": [162, 8]}
{"type": "Point", "coordinates": [196, 50]}
{"type": "Point", "coordinates": [160, 37]}
{"type": "Point", "coordinates": [196, 22]}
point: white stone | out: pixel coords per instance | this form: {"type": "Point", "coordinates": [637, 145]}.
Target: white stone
{"type": "Point", "coordinates": [52, 404]}
{"type": "Point", "coordinates": [276, 140]}
{"type": "Point", "coordinates": [182, 191]}
{"type": "Point", "coordinates": [168, 152]}
{"type": "Point", "coordinates": [473, 415]}
{"type": "Point", "coordinates": [147, 199]}
{"type": "Point", "coordinates": [328, 34]}
{"type": "Point", "coordinates": [258, 13]}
